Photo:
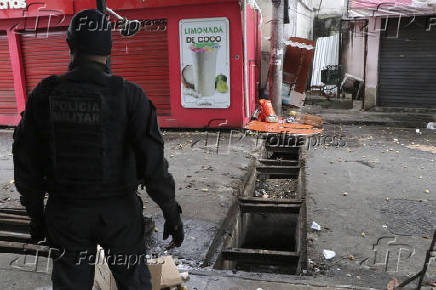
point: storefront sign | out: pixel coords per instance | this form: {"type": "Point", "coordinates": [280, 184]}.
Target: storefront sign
{"type": "Point", "coordinates": [13, 4]}
{"type": "Point", "coordinates": [205, 63]}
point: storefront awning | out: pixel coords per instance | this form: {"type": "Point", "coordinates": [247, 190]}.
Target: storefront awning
{"type": "Point", "coordinates": [370, 8]}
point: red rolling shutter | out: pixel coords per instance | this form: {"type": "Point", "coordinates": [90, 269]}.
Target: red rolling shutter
{"type": "Point", "coordinates": [8, 104]}
{"type": "Point", "coordinates": [44, 55]}
{"type": "Point", "coordinates": [143, 59]}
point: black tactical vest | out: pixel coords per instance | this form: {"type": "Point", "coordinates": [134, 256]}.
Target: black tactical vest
{"type": "Point", "coordinates": [89, 156]}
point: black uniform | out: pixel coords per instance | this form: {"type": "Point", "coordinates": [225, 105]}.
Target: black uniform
{"type": "Point", "coordinates": [86, 138]}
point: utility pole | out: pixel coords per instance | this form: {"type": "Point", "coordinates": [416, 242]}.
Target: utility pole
{"type": "Point", "coordinates": [276, 56]}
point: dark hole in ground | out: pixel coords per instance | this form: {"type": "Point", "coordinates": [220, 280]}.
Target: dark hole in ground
{"type": "Point", "coordinates": [275, 232]}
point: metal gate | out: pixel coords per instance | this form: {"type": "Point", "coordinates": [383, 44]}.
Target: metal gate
{"type": "Point", "coordinates": [407, 63]}
{"type": "Point", "coordinates": [143, 59]}
{"type": "Point", "coordinates": [8, 104]}
{"type": "Point", "coordinates": [44, 54]}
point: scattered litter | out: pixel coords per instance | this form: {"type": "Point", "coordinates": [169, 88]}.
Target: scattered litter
{"type": "Point", "coordinates": [345, 193]}
{"type": "Point", "coordinates": [427, 191]}
{"type": "Point", "coordinates": [205, 189]}
{"type": "Point", "coordinates": [12, 181]}
{"type": "Point", "coordinates": [385, 226]}
{"type": "Point", "coordinates": [420, 177]}
{"type": "Point", "coordinates": [290, 120]}
{"type": "Point", "coordinates": [329, 254]}
{"type": "Point", "coordinates": [393, 284]}
{"type": "Point", "coordinates": [388, 198]}
{"type": "Point", "coordinates": [277, 188]}
{"type": "Point", "coordinates": [426, 237]}
{"type": "Point", "coordinates": [265, 196]}
{"type": "Point", "coordinates": [316, 226]}
{"type": "Point", "coordinates": [351, 257]}
{"type": "Point", "coordinates": [363, 234]}
{"type": "Point", "coordinates": [418, 132]}
{"type": "Point", "coordinates": [185, 276]}
{"type": "Point", "coordinates": [348, 275]}
{"type": "Point", "coordinates": [395, 140]}
{"type": "Point", "coordinates": [156, 229]}
{"type": "Point", "coordinates": [431, 126]}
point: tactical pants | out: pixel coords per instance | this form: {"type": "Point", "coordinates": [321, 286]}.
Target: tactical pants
{"type": "Point", "coordinates": [116, 224]}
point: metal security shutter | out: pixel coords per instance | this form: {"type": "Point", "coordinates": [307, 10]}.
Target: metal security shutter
{"type": "Point", "coordinates": [44, 55]}
{"type": "Point", "coordinates": [407, 64]}
{"type": "Point", "coordinates": [143, 59]}
{"type": "Point", "coordinates": [8, 103]}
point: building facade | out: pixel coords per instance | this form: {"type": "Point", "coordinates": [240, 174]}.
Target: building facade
{"type": "Point", "coordinates": [392, 45]}
{"type": "Point", "coordinates": [161, 57]}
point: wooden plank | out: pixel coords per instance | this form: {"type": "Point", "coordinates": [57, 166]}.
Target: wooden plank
{"type": "Point", "coordinates": [263, 257]}
{"type": "Point", "coordinates": [272, 162]}
{"type": "Point", "coordinates": [24, 249]}
{"type": "Point", "coordinates": [283, 149]}
{"type": "Point", "coordinates": [269, 208]}
{"type": "Point", "coordinates": [13, 216]}
{"type": "Point", "coordinates": [17, 211]}
{"type": "Point", "coordinates": [14, 236]}
{"type": "Point", "coordinates": [15, 222]}
{"type": "Point", "coordinates": [279, 172]}
{"type": "Point", "coordinates": [269, 200]}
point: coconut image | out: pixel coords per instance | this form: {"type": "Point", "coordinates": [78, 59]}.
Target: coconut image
{"type": "Point", "coordinates": [188, 77]}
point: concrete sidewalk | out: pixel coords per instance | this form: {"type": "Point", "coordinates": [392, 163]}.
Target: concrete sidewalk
{"type": "Point", "coordinates": [387, 118]}
{"type": "Point", "coordinates": [224, 280]}
{"type": "Point", "coordinates": [375, 200]}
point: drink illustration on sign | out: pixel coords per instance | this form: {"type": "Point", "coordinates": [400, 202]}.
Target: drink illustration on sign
{"type": "Point", "coordinates": [205, 63]}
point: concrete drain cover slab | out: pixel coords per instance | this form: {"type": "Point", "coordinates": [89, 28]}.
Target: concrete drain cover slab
{"type": "Point", "coordinates": [408, 217]}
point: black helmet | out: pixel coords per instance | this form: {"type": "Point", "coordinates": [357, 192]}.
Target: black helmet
{"type": "Point", "coordinates": [90, 32]}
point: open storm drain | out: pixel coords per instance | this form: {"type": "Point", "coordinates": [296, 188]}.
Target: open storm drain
{"type": "Point", "coordinates": [267, 232]}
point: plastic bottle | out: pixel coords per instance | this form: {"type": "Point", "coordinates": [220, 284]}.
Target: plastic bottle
{"type": "Point", "coordinates": [268, 114]}
{"type": "Point", "coordinates": [306, 119]}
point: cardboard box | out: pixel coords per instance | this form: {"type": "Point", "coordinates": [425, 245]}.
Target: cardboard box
{"type": "Point", "coordinates": [164, 273]}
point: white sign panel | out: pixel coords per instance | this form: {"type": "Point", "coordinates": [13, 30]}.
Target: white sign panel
{"type": "Point", "coordinates": [205, 63]}
{"type": "Point", "coordinates": [12, 4]}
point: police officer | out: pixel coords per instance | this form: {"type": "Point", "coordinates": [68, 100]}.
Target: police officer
{"type": "Point", "coordinates": [86, 138]}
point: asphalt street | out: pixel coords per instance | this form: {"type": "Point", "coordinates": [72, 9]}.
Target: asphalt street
{"type": "Point", "coordinates": [372, 195]}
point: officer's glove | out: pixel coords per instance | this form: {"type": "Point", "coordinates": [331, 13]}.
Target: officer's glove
{"type": "Point", "coordinates": [35, 209]}
{"type": "Point", "coordinates": [176, 232]}
{"type": "Point", "coordinates": [174, 226]}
